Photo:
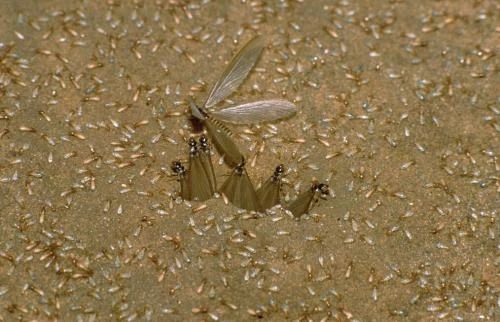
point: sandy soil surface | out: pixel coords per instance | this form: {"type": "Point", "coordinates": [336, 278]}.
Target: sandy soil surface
{"type": "Point", "coordinates": [398, 112]}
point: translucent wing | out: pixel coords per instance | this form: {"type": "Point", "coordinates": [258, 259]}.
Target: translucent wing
{"type": "Point", "coordinates": [196, 111]}
{"type": "Point", "coordinates": [239, 190]}
{"type": "Point", "coordinates": [301, 205]}
{"type": "Point", "coordinates": [209, 169]}
{"type": "Point", "coordinates": [306, 199]}
{"type": "Point", "coordinates": [236, 71]}
{"type": "Point", "coordinates": [223, 142]}
{"type": "Point", "coordinates": [248, 198]}
{"type": "Point", "coordinates": [231, 187]}
{"type": "Point", "coordinates": [206, 160]}
{"type": "Point", "coordinates": [185, 192]}
{"type": "Point", "coordinates": [199, 183]}
{"type": "Point", "coordinates": [269, 193]}
{"type": "Point", "coordinates": [256, 112]}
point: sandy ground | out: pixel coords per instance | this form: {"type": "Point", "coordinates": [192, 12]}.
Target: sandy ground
{"type": "Point", "coordinates": [398, 113]}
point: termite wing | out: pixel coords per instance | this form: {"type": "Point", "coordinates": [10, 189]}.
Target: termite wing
{"type": "Point", "coordinates": [255, 112]}
{"type": "Point", "coordinates": [199, 181]}
{"type": "Point", "coordinates": [307, 199]}
{"type": "Point", "coordinates": [239, 190]}
{"type": "Point", "coordinates": [270, 191]}
{"type": "Point", "coordinates": [206, 160]}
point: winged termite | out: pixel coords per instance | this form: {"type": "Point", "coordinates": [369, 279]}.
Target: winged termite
{"type": "Point", "coordinates": [239, 190]}
{"type": "Point", "coordinates": [255, 112]}
{"type": "Point", "coordinates": [221, 137]}
{"type": "Point", "coordinates": [182, 177]}
{"type": "Point", "coordinates": [269, 193]}
{"type": "Point", "coordinates": [307, 199]}
{"type": "Point", "coordinates": [199, 182]}
{"type": "Point", "coordinates": [206, 160]}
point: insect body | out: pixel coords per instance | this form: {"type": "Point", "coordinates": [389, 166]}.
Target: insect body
{"type": "Point", "coordinates": [307, 199]}
{"type": "Point", "coordinates": [206, 160]}
{"type": "Point", "coordinates": [199, 182]}
{"type": "Point", "coordinates": [269, 193]}
{"type": "Point", "coordinates": [182, 177]}
{"type": "Point", "coordinates": [239, 190]}
{"type": "Point", "coordinates": [221, 137]}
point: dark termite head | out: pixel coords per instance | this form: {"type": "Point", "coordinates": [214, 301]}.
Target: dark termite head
{"type": "Point", "coordinates": [178, 168]}
{"type": "Point", "coordinates": [193, 149]}
{"type": "Point", "coordinates": [204, 143]}
{"type": "Point", "coordinates": [240, 168]}
{"type": "Point", "coordinates": [278, 172]}
{"type": "Point", "coordinates": [321, 188]}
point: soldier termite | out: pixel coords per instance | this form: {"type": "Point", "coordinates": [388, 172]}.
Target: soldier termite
{"type": "Point", "coordinates": [255, 112]}
{"type": "Point", "coordinates": [182, 177]}
{"type": "Point", "coordinates": [206, 160]}
{"type": "Point", "coordinates": [200, 183]}
{"type": "Point", "coordinates": [239, 190]}
{"type": "Point", "coordinates": [307, 199]}
{"type": "Point", "coordinates": [269, 193]}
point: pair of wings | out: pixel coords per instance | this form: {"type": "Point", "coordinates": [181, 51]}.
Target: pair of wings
{"type": "Point", "coordinates": [234, 74]}
{"type": "Point", "coordinates": [239, 190]}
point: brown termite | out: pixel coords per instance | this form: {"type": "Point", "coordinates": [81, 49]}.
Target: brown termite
{"type": "Point", "coordinates": [182, 177]}
{"type": "Point", "coordinates": [199, 180]}
{"type": "Point", "coordinates": [307, 199]}
{"type": "Point", "coordinates": [239, 190]}
{"type": "Point", "coordinates": [269, 193]}
{"type": "Point", "coordinates": [206, 160]}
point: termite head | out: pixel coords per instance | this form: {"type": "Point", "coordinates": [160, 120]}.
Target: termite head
{"type": "Point", "coordinates": [192, 146]}
{"type": "Point", "coordinates": [278, 172]}
{"type": "Point", "coordinates": [178, 168]}
{"type": "Point", "coordinates": [240, 168]}
{"type": "Point", "coordinates": [321, 188]}
{"type": "Point", "coordinates": [280, 169]}
{"type": "Point", "coordinates": [204, 143]}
